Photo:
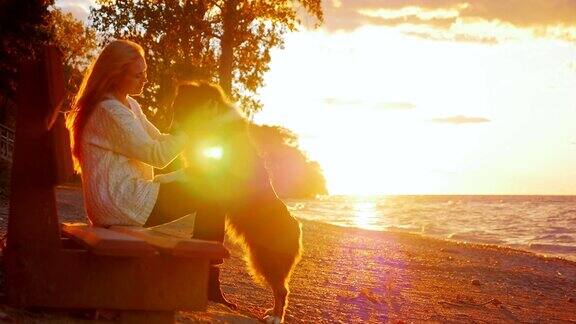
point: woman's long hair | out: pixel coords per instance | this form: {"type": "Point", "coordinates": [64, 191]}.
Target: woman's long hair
{"type": "Point", "coordinates": [99, 79]}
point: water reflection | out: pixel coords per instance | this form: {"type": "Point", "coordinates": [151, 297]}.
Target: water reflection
{"type": "Point", "coordinates": [365, 214]}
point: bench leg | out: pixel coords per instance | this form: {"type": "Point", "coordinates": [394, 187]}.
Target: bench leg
{"type": "Point", "coordinates": [136, 317]}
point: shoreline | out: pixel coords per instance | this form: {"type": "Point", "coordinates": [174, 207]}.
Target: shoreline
{"type": "Point", "coordinates": [537, 224]}
{"type": "Point", "coordinates": [356, 275]}
{"type": "Point", "coordinates": [571, 256]}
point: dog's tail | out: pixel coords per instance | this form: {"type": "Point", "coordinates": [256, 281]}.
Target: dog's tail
{"type": "Point", "coordinates": [265, 263]}
{"type": "Point", "coordinates": [234, 236]}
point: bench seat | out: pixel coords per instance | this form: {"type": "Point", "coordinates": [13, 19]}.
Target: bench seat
{"type": "Point", "coordinates": [175, 246]}
{"type": "Point", "coordinates": [133, 241]}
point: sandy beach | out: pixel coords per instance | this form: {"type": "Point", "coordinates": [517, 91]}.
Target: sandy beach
{"type": "Point", "coordinates": [349, 275]}
{"type": "Point", "coordinates": [357, 276]}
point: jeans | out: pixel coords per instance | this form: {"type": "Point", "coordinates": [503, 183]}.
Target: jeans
{"type": "Point", "coordinates": [176, 199]}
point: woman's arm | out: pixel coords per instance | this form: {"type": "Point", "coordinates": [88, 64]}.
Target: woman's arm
{"type": "Point", "coordinates": [120, 131]}
{"type": "Point", "coordinates": [150, 128]}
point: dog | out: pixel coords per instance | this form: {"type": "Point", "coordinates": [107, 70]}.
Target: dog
{"type": "Point", "coordinates": [255, 216]}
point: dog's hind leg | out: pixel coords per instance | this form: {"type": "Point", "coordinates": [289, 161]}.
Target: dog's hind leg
{"type": "Point", "coordinates": [276, 315]}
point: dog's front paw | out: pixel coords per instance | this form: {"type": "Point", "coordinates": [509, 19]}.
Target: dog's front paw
{"type": "Point", "coordinates": [271, 319]}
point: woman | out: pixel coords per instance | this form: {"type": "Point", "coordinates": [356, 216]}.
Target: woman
{"type": "Point", "coordinates": [116, 148]}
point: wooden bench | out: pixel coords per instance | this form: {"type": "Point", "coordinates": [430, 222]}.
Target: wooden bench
{"type": "Point", "coordinates": [145, 275]}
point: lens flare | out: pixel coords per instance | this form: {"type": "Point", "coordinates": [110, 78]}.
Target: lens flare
{"type": "Point", "coordinates": [214, 152]}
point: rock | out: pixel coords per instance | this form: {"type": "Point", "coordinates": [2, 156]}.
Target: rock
{"type": "Point", "coordinates": [476, 282]}
{"type": "Point", "coordinates": [495, 302]}
{"type": "Point", "coordinates": [571, 300]}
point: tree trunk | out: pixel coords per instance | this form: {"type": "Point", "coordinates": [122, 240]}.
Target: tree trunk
{"type": "Point", "coordinates": [227, 45]}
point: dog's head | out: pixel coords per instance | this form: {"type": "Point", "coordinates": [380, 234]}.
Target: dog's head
{"type": "Point", "coordinates": [203, 107]}
{"type": "Point", "coordinates": [202, 110]}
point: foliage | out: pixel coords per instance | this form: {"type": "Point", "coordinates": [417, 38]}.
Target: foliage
{"type": "Point", "coordinates": [76, 41]}
{"type": "Point", "coordinates": [293, 174]}
{"type": "Point", "coordinates": [24, 29]}
{"type": "Point", "coordinates": [224, 41]}
{"type": "Point", "coordinates": [78, 45]}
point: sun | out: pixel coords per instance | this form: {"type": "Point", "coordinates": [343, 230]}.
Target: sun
{"type": "Point", "coordinates": [214, 152]}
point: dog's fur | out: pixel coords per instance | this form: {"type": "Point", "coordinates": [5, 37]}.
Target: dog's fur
{"type": "Point", "coordinates": [256, 217]}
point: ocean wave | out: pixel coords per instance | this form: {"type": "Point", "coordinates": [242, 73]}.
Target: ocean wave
{"type": "Point", "coordinates": [504, 220]}
{"type": "Point", "coordinates": [571, 212]}
{"type": "Point", "coordinates": [414, 230]}
{"type": "Point", "coordinates": [552, 248]}
{"type": "Point", "coordinates": [432, 229]}
{"type": "Point", "coordinates": [475, 238]}
{"type": "Point", "coordinates": [563, 238]}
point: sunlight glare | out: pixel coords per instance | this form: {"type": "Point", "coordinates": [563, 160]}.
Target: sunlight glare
{"type": "Point", "coordinates": [214, 152]}
{"type": "Point", "coordinates": [364, 214]}
{"type": "Point", "coordinates": [368, 144]}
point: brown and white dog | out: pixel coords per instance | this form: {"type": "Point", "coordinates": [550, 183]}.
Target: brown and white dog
{"type": "Point", "coordinates": [256, 218]}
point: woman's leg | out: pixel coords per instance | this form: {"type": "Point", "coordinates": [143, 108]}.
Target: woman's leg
{"type": "Point", "coordinates": [176, 200]}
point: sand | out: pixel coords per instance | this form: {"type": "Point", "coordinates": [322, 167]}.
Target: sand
{"type": "Point", "coordinates": [358, 276]}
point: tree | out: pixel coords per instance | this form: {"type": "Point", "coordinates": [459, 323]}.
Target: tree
{"type": "Point", "coordinates": [25, 27]}
{"type": "Point", "coordinates": [23, 31]}
{"type": "Point", "coordinates": [76, 41]}
{"type": "Point", "coordinates": [224, 41]}
{"type": "Point", "coordinates": [78, 45]}
{"type": "Point", "coordinates": [293, 174]}
{"type": "Point", "coordinates": [249, 30]}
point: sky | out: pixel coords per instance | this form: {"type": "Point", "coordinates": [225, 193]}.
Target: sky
{"type": "Point", "coordinates": [430, 97]}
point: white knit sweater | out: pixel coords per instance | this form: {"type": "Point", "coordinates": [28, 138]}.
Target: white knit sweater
{"type": "Point", "coordinates": [119, 148]}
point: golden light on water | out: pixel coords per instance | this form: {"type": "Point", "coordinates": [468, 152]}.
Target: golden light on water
{"type": "Point", "coordinates": [365, 214]}
{"type": "Point", "coordinates": [214, 152]}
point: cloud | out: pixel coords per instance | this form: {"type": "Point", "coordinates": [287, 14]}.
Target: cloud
{"type": "Point", "coordinates": [458, 120]}
{"type": "Point", "coordinates": [395, 105]}
{"type": "Point", "coordinates": [459, 20]}
{"type": "Point", "coordinates": [462, 38]}
{"type": "Point", "coordinates": [342, 102]}
{"type": "Point", "coordinates": [366, 104]}
{"type": "Point", "coordinates": [80, 9]}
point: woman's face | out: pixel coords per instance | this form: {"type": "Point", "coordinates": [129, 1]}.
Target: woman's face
{"type": "Point", "coordinates": [133, 81]}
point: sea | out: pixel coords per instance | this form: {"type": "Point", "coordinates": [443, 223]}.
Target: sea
{"type": "Point", "coordinates": [540, 224]}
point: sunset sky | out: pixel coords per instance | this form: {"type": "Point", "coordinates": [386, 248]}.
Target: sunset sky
{"type": "Point", "coordinates": [430, 97]}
